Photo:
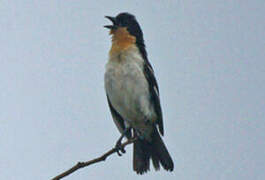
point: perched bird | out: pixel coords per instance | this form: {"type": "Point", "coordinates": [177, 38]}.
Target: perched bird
{"type": "Point", "coordinates": [133, 94]}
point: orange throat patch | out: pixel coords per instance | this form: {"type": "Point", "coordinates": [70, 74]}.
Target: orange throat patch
{"type": "Point", "coordinates": [121, 40]}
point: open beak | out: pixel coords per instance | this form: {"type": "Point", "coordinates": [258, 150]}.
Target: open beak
{"type": "Point", "coordinates": [113, 20]}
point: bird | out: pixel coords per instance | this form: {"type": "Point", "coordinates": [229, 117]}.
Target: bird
{"type": "Point", "coordinates": [133, 95]}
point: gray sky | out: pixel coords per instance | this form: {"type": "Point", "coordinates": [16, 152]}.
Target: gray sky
{"type": "Point", "coordinates": [208, 58]}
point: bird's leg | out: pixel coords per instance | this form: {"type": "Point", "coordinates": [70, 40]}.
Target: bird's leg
{"type": "Point", "coordinates": [118, 143]}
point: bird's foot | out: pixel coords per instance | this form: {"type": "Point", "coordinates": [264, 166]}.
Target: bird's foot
{"type": "Point", "coordinates": [119, 148]}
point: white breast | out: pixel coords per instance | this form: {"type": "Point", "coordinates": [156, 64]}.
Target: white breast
{"type": "Point", "coordinates": [127, 87]}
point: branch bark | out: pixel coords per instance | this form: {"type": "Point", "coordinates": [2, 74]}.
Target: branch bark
{"type": "Point", "coordinates": [80, 165]}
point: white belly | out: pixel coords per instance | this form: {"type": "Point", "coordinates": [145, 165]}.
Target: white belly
{"type": "Point", "coordinates": [128, 91]}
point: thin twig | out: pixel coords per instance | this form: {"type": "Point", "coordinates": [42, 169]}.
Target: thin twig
{"type": "Point", "coordinates": [80, 165]}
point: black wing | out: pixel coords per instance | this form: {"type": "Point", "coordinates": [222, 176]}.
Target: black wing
{"type": "Point", "coordinates": [118, 120]}
{"type": "Point", "coordinates": [154, 94]}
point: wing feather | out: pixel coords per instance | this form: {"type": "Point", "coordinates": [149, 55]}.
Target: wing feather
{"type": "Point", "coordinates": [154, 94]}
{"type": "Point", "coordinates": [118, 120]}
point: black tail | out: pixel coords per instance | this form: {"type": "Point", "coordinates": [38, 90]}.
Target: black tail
{"type": "Point", "coordinates": [156, 150]}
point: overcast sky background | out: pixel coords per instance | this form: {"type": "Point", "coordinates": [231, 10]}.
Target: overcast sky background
{"type": "Point", "coordinates": [209, 60]}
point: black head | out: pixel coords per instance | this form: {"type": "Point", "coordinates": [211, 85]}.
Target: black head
{"type": "Point", "coordinates": [129, 21]}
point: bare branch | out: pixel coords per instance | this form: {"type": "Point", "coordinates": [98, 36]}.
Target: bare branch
{"type": "Point", "coordinates": [80, 165]}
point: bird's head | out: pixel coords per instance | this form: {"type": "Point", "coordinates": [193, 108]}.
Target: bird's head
{"type": "Point", "coordinates": [125, 30]}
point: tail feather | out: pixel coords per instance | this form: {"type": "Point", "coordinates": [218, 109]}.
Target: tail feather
{"type": "Point", "coordinates": [141, 157]}
{"type": "Point", "coordinates": [160, 151]}
{"type": "Point", "coordinates": [155, 150]}
{"type": "Point", "coordinates": [155, 161]}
